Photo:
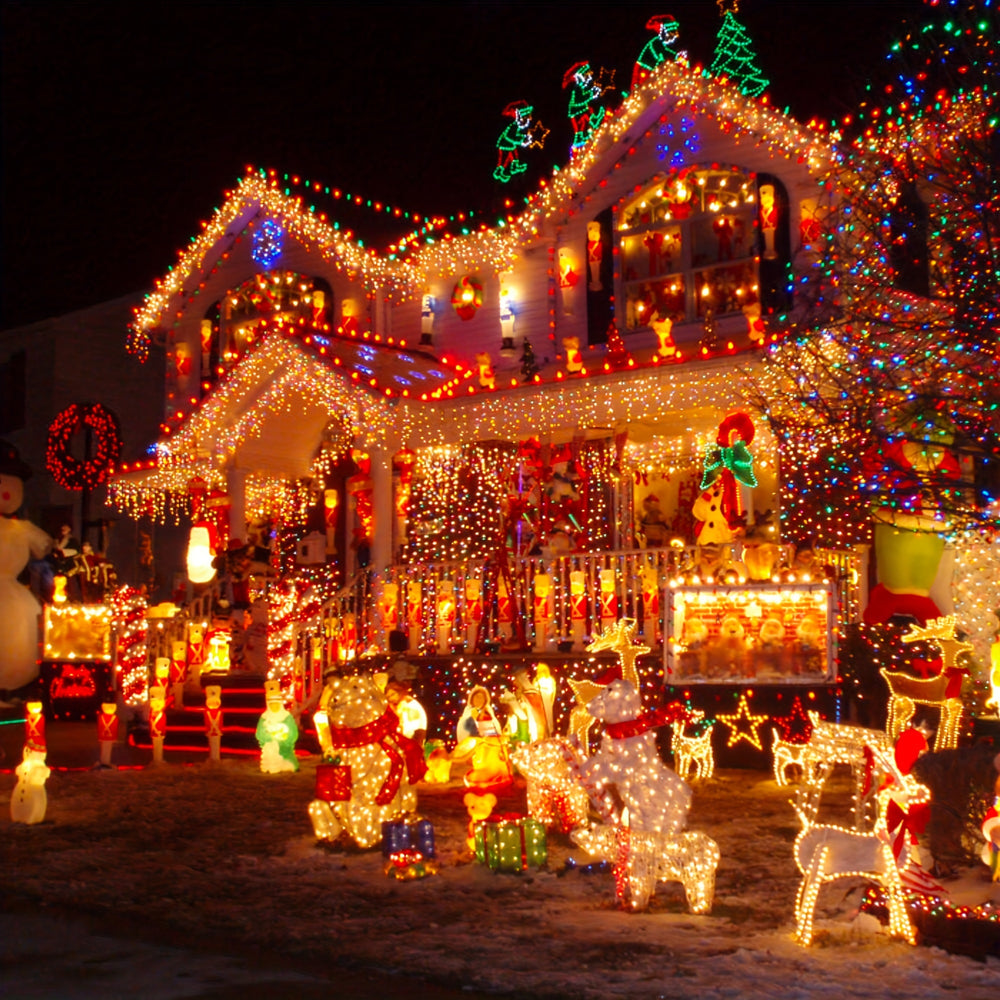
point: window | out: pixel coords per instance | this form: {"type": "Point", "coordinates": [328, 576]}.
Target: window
{"type": "Point", "coordinates": [688, 244]}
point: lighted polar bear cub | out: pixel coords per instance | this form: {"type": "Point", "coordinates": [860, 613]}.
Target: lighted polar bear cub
{"type": "Point", "coordinates": [365, 738]}
{"type": "Point", "coordinates": [657, 799]}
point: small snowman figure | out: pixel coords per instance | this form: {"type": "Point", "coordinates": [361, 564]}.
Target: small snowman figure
{"type": "Point", "coordinates": [29, 801]}
{"type": "Point", "coordinates": [19, 541]}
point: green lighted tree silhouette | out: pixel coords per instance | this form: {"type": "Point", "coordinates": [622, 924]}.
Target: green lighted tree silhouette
{"type": "Point", "coordinates": [734, 57]}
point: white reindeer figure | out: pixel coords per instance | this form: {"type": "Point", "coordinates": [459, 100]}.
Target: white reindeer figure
{"type": "Point", "coordinates": [825, 853]}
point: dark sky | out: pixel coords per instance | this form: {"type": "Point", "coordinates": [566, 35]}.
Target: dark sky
{"type": "Point", "coordinates": [122, 124]}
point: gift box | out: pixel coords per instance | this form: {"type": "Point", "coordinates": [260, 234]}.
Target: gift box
{"type": "Point", "coordinates": [413, 833]}
{"type": "Point", "coordinates": [408, 865]}
{"type": "Point", "coordinates": [511, 843]}
{"type": "Point", "coordinates": [333, 782]}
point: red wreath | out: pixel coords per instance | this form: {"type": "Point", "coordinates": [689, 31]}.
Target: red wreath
{"type": "Point", "coordinates": [71, 472]}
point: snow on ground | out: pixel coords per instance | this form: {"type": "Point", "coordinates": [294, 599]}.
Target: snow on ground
{"type": "Point", "coordinates": [201, 861]}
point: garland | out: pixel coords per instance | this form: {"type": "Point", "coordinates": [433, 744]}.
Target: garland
{"type": "Point", "coordinates": [69, 471]}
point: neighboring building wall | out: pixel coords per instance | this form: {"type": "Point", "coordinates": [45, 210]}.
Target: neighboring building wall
{"type": "Point", "coordinates": [81, 358]}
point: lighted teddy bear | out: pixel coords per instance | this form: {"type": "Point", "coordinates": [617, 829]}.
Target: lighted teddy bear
{"type": "Point", "coordinates": [771, 651]}
{"type": "Point", "coordinates": [657, 799]}
{"type": "Point", "coordinates": [19, 541]}
{"type": "Point", "coordinates": [694, 640]}
{"type": "Point", "coordinates": [728, 654]}
{"type": "Point", "coordinates": [384, 765]}
{"type": "Point", "coordinates": [808, 646]}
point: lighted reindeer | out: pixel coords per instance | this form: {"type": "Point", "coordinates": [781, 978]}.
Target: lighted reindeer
{"type": "Point", "coordinates": [643, 805]}
{"type": "Point", "coordinates": [825, 852]}
{"type": "Point", "coordinates": [942, 691]}
{"type": "Point", "coordinates": [693, 751]}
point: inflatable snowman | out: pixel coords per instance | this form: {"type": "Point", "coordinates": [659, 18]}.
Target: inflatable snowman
{"type": "Point", "coordinates": [29, 800]}
{"type": "Point", "coordinates": [19, 541]}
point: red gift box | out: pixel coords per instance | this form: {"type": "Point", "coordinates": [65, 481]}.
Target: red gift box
{"type": "Point", "coordinates": [333, 782]}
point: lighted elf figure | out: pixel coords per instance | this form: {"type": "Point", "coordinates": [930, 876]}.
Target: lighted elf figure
{"type": "Point", "coordinates": [991, 828]}
{"type": "Point", "coordinates": [659, 49]}
{"type": "Point", "coordinates": [19, 541]}
{"type": "Point", "coordinates": [583, 89]}
{"type": "Point", "coordinates": [277, 733]}
{"type": "Point", "coordinates": [519, 134]}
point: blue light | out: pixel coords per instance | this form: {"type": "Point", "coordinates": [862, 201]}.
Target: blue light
{"type": "Point", "coordinates": [268, 243]}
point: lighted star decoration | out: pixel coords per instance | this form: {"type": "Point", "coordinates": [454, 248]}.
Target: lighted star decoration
{"type": "Point", "coordinates": [940, 631]}
{"type": "Point", "coordinates": [619, 637]}
{"type": "Point", "coordinates": [743, 724]}
{"type": "Point", "coordinates": [796, 727]}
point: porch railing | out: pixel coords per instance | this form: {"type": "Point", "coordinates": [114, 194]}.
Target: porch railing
{"type": "Point", "coordinates": [441, 607]}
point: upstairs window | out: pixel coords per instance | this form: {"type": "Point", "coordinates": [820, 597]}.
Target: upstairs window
{"type": "Point", "coordinates": [688, 244]}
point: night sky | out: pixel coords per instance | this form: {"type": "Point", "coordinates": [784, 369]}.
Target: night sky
{"type": "Point", "coordinates": [123, 124]}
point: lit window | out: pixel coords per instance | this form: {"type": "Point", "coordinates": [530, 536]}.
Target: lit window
{"type": "Point", "coordinates": [688, 244]}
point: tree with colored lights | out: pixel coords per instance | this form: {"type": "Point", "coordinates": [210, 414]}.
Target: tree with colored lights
{"type": "Point", "coordinates": [882, 384]}
{"type": "Point", "coordinates": [734, 57]}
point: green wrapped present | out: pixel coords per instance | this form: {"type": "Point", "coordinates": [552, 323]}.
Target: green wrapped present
{"type": "Point", "coordinates": [511, 843]}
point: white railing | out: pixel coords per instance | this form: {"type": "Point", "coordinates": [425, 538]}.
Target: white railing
{"type": "Point", "coordinates": [442, 606]}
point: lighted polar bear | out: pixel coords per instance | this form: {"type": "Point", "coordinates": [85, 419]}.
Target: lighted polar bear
{"type": "Point", "coordinates": [649, 844]}
{"type": "Point", "coordinates": [384, 764]}
{"type": "Point", "coordinates": [657, 799]}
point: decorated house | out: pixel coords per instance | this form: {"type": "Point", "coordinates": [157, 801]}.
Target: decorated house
{"type": "Point", "coordinates": [501, 441]}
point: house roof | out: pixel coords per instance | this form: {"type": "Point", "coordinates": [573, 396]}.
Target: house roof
{"type": "Point", "coordinates": [263, 194]}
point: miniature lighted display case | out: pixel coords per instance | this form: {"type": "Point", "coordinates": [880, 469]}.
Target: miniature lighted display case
{"type": "Point", "coordinates": [760, 633]}
{"type": "Point", "coordinates": [76, 663]}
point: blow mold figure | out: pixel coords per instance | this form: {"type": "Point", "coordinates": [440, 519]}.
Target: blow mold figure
{"type": "Point", "coordinates": [19, 541]}
{"type": "Point", "coordinates": [277, 733]}
{"type": "Point", "coordinates": [909, 529]}
{"type": "Point", "coordinates": [29, 799]}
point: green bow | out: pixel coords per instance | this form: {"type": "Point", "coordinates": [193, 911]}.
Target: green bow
{"type": "Point", "coordinates": [737, 460]}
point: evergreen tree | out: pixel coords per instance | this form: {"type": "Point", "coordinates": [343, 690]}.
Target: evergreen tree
{"type": "Point", "coordinates": [735, 58]}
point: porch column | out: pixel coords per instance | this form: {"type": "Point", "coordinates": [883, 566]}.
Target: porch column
{"type": "Point", "coordinates": [236, 487]}
{"type": "Point", "coordinates": [382, 507]}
